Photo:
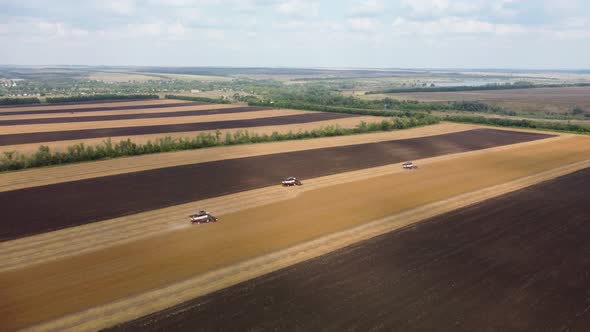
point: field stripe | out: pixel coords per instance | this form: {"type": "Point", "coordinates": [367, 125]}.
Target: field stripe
{"type": "Point", "coordinates": [95, 236]}
{"type": "Point", "coordinates": [98, 108]}
{"type": "Point", "coordinates": [39, 137]}
{"type": "Point", "coordinates": [85, 281]}
{"type": "Point", "coordinates": [231, 110]}
{"type": "Point", "coordinates": [113, 196]}
{"type": "Point", "coordinates": [491, 266]}
{"type": "Point", "coordinates": [72, 172]}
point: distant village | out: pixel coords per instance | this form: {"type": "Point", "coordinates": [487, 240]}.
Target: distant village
{"type": "Point", "coordinates": [7, 83]}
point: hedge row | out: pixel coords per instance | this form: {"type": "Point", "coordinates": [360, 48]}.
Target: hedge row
{"type": "Point", "coordinates": [533, 124]}
{"type": "Point", "coordinates": [339, 109]}
{"type": "Point", "coordinates": [476, 88]}
{"type": "Point", "coordinates": [52, 100]}
{"type": "Point", "coordinates": [201, 99]}
{"type": "Point", "coordinates": [19, 101]}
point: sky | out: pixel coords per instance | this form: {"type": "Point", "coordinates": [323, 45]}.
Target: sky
{"type": "Point", "coordinates": [519, 34]}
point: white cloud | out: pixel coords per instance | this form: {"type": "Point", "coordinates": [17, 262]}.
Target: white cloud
{"type": "Point", "coordinates": [443, 7]}
{"type": "Point", "coordinates": [363, 24]}
{"type": "Point", "coordinates": [122, 7]}
{"type": "Point", "coordinates": [453, 26]}
{"type": "Point", "coordinates": [366, 7]}
{"type": "Point", "coordinates": [144, 29]}
{"type": "Point", "coordinates": [302, 8]}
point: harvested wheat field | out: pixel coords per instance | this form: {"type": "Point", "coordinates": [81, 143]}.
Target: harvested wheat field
{"type": "Point", "coordinates": [179, 107]}
{"type": "Point", "coordinates": [491, 266]}
{"type": "Point", "coordinates": [350, 122]}
{"type": "Point", "coordinates": [49, 175]}
{"type": "Point", "coordinates": [90, 245]}
{"type": "Point", "coordinates": [94, 106]}
{"type": "Point", "coordinates": [118, 195]}
{"type": "Point", "coordinates": [180, 126]}
{"type": "Point", "coordinates": [68, 286]}
{"type": "Point", "coordinates": [199, 111]}
{"type": "Point", "coordinates": [179, 118]}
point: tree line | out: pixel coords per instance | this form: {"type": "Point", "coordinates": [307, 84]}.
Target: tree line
{"type": "Point", "coordinates": [100, 97]}
{"type": "Point", "coordinates": [507, 86]}
{"type": "Point", "coordinates": [520, 123]}
{"type": "Point", "coordinates": [19, 101]}
{"type": "Point", "coordinates": [201, 99]}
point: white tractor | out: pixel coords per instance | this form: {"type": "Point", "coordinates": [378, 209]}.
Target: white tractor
{"type": "Point", "coordinates": [409, 165]}
{"type": "Point", "coordinates": [202, 217]}
{"type": "Point", "coordinates": [291, 181]}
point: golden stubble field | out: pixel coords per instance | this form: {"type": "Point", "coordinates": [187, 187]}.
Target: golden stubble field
{"type": "Point", "coordinates": [48, 291]}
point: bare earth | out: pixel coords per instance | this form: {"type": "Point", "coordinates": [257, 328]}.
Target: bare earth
{"type": "Point", "coordinates": [92, 105]}
{"type": "Point", "coordinates": [72, 172]}
{"type": "Point", "coordinates": [145, 122]}
{"type": "Point", "coordinates": [559, 100]}
{"type": "Point", "coordinates": [119, 112]}
{"type": "Point", "coordinates": [473, 269]}
{"type": "Point", "coordinates": [47, 291]}
{"type": "Point", "coordinates": [283, 129]}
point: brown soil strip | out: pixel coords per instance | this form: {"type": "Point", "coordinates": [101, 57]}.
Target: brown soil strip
{"type": "Point", "coordinates": [231, 110]}
{"type": "Point", "coordinates": [512, 263]}
{"type": "Point", "coordinates": [179, 108]}
{"type": "Point", "coordinates": [48, 291]}
{"type": "Point", "coordinates": [142, 139]}
{"type": "Point", "coordinates": [71, 241]}
{"type": "Point", "coordinates": [113, 196]}
{"type": "Point", "coordinates": [72, 172]}
{"type": "Point", "coordinates": [93, 108]}
{"type": "Point", "coordinates": [91, 125]}
{"type": "Point", "coordinates": [94, 103]}
{"type": "Point", "coordinates": [38, 137]}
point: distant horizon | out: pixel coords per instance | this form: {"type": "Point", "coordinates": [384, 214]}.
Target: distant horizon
{"type": "Point", "coordinates": [307, 67]}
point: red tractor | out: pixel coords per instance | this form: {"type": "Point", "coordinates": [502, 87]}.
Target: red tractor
{"type": "Point", "coordinates": [202, 217]}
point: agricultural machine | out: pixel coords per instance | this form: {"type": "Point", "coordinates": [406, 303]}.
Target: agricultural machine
{"type": "Point", "coordinates": [409, 165]}
{"type": "Point", "coordinates": [291, 181]}
{"type": "Point", "coordinates": [202, 217]}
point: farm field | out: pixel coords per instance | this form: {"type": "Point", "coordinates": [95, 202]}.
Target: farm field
{"type": "Point", "coordinates": [538, 100]}
{"type": "Point", "coordinates": [93, 106]}
{"type": "Point", "coordinates": [72, 172]}
{"type": "Point", "coordinates": [254, 114]}
{"type": "Point", "coordinates": [493, 265]}
{"type": "Point", "coordinates": [114, 111]}
{"type": "Point", "coordinates": [91, 124]}
{"type": "Point", "coordinates": [110, 240]}
{"type": "Point", "coordinates": [129, 269]}
{"type": "Point", "coordinates": [118, 195]}
{"type": "Point", "coordinates": [127, 116]}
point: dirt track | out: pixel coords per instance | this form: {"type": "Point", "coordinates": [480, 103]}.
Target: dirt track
{"type": "Point", "coordinates": [230, 110]}
{"type": "Point", "coordinates": [38, 137]}
{"type": "Point", "coordinates": [113, 196]}
{"type": "Point", "coordinates": [92, 108]}
{"type": "Point", "coordinates": [50, 290]}
{"type": "Point", "coordinates": [514, 263]}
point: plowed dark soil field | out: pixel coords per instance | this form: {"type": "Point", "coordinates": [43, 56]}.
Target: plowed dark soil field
{"type": "Point", "coordinates": [231, 110]}
{"type": "Point", "coordinates": [515, 263]}
{"type": "Point", "coordinates": [98, 108]}
{"type": "Point", "coordinates": [27, 138]}
{"type": "Point", "coordinates": [45, 208]}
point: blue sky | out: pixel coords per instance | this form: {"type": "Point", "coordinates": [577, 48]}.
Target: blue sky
{"type": "Point", "coordinates": [298, 33]}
